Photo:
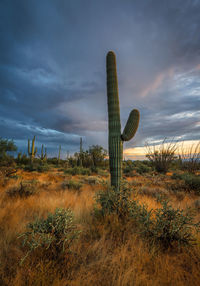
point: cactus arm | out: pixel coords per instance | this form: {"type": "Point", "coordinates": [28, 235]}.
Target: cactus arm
{"type": "Point", "coordinates": [131, 125]}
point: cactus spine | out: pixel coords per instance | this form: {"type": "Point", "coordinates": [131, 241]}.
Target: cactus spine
{"type": "Point", "coordinates": [33, 151]}
{"type": "Point", "coordinates": [115, 138]}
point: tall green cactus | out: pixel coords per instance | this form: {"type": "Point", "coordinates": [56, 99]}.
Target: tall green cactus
{"type": "Point", "coordinates": [32, 151]}
{"type": "Point", "coordinates": [81, 152]}
{"type": "Point", "coordinates": [59, 154]}
{"type": "Point", "coordinates": [116, 139]}
{"type": "Point", "coordinates": [43, 156]}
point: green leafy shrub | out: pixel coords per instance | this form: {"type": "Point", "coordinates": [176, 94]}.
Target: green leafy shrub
{"type": "Point", "coordinates": [112, 201]}
{"type": "Point", "coordinates": [92, 180]}
{"type": "Point", "coordinates": [54, 235]}
{"type": "Point", "coordinates": [196, 205]}
{"type": "Point", "coordinates": [102, 172]}
{"type": "Point", "coordinates": [153, 192]}
{"type": "Point", "coordinates": [43, 168]}
{"type": "Point", "coordinates": [37, 166]}
{"type": "Point", "coordinates": [78, 171]}
{"type": "Point", "coordinates": [166, 226]}
{"type": "Point", "coordinates": [142, 168]}
{"type": "Point", "coordinates": [71, 184]}
{"type": "Point", "coordinates": [191, 181]}
{"type": "Point", "coordinates": [23, 190]}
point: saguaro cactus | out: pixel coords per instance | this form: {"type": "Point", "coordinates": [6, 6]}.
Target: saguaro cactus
{"type": "Point", "coordinates": [115, 138]}
{"type": "Point", "coordinates": [59, 154]}
{"type": "Point", "coordinates": [32, 151]}
{"type": "Point", "coordinates": [43, 156]}
{"type": "Point", "coordinates": [81, 152]}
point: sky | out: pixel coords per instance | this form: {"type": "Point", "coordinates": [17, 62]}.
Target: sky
{"type": "Point", "coordinates": [53, 70]}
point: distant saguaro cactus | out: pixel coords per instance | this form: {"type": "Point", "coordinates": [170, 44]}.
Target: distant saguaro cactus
{"type": "Point", "coordinates": [32, 151]}
{"type": "Point", "coordinates": [43, 156]}
{"type": "Point", "coordinates": [116, 139]}
{"type": "Point", "coordinates": [81, 152]}
{"type": "Point", "coordinates": [59, 154]}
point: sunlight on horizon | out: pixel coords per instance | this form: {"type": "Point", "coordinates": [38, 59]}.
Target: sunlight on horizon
{"type": "Point", "coordinates": [138, 153]}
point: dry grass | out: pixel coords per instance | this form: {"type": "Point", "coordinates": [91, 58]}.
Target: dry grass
{"type": "Point", "coordinates": [107, 253]}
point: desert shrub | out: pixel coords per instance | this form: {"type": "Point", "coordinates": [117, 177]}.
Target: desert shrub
{"type": "Point", "coordinates": [142, 168]}
{"type": "Point", "coordinates": [71, 184]}
{"type": "Point", "coordinates": [190, 182]}
{"type": "Point", "coordinates": [128, 167]}
{"type": "Point", "coordinates": [161, 157]}
{"type": "Point", "coordinates": [135, 183]}
{"type": "Point", "coordinates": [92, 180]}
{"type": "Point", "coordinates": [37, 166]}
{"type": "Point", "coordinates": [31, 167]}
{"type": "Point", "coordinates": [112, 201]}
{"type": "Point", "coordinates": [189, 159]}
{"type": "Point", "coordinates": [165, 226]}
{"type": "Point", "coordinates": [23, 160]}
{"type": "Point", "coordinates": [152, 192]}
{"type": "Point", "coordinates": [196, 205]}
{"type": "Point", "coordinates": [102, 172]}
{"type": "Point", "coordinates": [7, 172]}
{"type": "Point", "coordinates": [23, 190]}
{"type": "Point", "coordinates": [43, 168]}
{"type": "Point", "coordinates": [177, 176]}
{"type": "Point", "coordinates": [78, 171]}
{"type": "Point", "coordinates": [55, 234]}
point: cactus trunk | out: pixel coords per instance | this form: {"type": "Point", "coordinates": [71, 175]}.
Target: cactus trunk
{"type": "Point", "coordinates": [81, 153]}
{"type": "Point", "coordinates": [114, 125]}
{"type": "Point", "coordinates": [59, 154]}
{"type": "Point", "coordinates": [115, 138]}
{"type": "Point", "coordinates": [33, 151]}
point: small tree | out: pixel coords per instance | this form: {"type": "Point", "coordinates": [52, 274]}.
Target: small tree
{"type": "Point", "coordinates": [6, 146]}
{"type": "Point", "coordinates": [98, 154]}
{"type": "Point", "coordinates": [162, 156]}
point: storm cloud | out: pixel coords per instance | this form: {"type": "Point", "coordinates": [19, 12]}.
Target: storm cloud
{"type": "Point", "coordinates": [52, 69]}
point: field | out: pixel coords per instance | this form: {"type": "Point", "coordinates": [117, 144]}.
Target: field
{"type": "Point", "coordinates": [109, 249]}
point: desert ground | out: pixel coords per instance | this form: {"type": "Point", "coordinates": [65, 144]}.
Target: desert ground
{"type": "Point", "coordinates": [109, 249]}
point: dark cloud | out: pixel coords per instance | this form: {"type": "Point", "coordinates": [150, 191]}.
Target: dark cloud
{"type": "Point", "coordinates": [52, 69]}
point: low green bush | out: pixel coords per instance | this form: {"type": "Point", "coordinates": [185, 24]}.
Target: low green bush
{"type": "Point", "coordinates": [71, 184]}
{"type": "Point", "coordinates": [54, 235]}
{"type": "Point", "coordinates": [141, 169]}
{"type": "Point", "coordinates": [112, 201]}
{"type": "Point", "coordinates": [78, 171]}
{"type": "Point", "coordinates": [191, 181]}
{"type": "Point", "coordinates": [92, 180]}
{"type": "Point", "coordinates": [37, 166]}
{"type": "Point", "coordinates": [164, 226]}
{"type": "Point", "coordinates": [23, 190]}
